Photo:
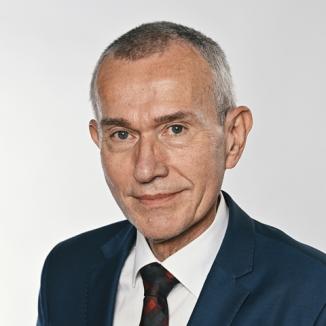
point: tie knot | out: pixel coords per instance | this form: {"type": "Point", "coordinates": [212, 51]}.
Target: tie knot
{"type": "Point", "coordinates": [157, 280]}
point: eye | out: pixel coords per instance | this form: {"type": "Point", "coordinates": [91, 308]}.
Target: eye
{"type": "Point", "coordinates": [176, 129]}
{"type": "Point", "coordinates": [121, 134]}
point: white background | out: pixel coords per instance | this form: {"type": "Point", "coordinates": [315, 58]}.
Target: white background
{"type": "Point", "coordinates": [51, 183]}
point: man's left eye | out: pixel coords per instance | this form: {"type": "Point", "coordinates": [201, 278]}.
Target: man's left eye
{"type": "Point", "coordinates": [176, 129]}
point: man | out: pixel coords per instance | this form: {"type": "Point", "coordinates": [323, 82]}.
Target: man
{"type": "Point", "coordinates": [167, 128]}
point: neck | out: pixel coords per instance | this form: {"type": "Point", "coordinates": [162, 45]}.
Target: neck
{"type": "Point", "coordinates": [164, 249]}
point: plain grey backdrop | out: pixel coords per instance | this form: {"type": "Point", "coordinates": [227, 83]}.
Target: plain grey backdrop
{"type": "Point", "coordinates": [51, 183]}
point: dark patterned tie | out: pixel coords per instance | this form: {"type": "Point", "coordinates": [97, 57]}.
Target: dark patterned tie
{"type": "Point", "coordinates": [158, 283]}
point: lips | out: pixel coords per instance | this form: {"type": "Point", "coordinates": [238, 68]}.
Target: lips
{"type": "Point", "coordinates": [157, 196]}
{"type": "Point", "coordinates": [157, 199]}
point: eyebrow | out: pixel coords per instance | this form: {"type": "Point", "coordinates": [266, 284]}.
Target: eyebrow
{"type": "Point", "coordinates": [179, 115]}
{"type": "Point", "coordinates": [115, 122]}
{"type": "Point", "coordinates": [121, 122]}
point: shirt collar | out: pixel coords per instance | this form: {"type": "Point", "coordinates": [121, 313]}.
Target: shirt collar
{"type": "Point", "coordinates": [196, 258]}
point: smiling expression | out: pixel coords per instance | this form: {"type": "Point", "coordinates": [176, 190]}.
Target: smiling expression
{"type": "Point", "coordinates": [162, 145]}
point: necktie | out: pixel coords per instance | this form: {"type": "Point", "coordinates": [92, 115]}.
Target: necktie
{"type": "Point", "coordinates": [158, 283]}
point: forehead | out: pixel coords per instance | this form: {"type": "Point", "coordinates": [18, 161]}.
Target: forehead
{"type": "Point", "coordinates": [179, 76]}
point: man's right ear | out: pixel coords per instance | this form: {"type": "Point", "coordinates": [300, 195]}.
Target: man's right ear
{"type": "Point", "coordinates": [93, 130]}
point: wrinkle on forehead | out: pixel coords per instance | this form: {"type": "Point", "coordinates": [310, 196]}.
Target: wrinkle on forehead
{"type": "Point", "coordinates": [178, 77]}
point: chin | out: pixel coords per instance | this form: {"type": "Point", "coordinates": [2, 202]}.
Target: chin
{"type": "Point", "coordinates": [159, 234]}
{"type": "Point", "coordinates": [160, 224]}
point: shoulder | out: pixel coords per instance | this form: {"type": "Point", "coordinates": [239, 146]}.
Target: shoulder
{"type": "Point", "coordinates": [68, 267]}
{"type": "Point", "coordinates": [283, 275]}
{"type": "Point", "coordinates": [280, 266]}
{"type": "Point", "coordinates": [274, 247]}
{"type": "Point", "coordinates": [83, 249]}
{"type": "Point", "coordinates": [96, 237]}
{"type": "Point", "coordinates": [295, 265]}
{"type": "Point", "coordinates": [276, 242]}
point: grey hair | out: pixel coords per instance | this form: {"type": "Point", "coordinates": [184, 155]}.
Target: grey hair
{"type": "Point", "coordinates": [155, 37]}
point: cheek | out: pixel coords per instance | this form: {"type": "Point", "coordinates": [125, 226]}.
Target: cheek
{"type": "Point", "coordinates": [116, 172]}
{"type": "Point", "coordinates": [203, 162]}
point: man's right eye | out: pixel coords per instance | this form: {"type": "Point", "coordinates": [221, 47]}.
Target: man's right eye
{"type": "Point", "coordinates": [121, 134]}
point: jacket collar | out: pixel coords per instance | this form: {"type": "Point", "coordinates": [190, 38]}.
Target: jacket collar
{"type": "Point", "coordinates": [237, 250]}
{"type": "Point", "coordinates": [222, 294]}
{"type": "Point", "coordinates": [221, 289]}
{"type": "Point", "coordinates": [104, 277]}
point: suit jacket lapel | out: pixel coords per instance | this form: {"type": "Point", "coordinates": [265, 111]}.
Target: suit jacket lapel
{"type": "Point", "coordinates": [104, 278]}
{"type": "Point", "coordinates": [223, 294]}
{"type": "Point", "coordinates": [219, 301]}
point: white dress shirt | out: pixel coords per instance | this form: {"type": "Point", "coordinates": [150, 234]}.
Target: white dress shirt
{"type": "Point", "coordinates": [189, 265]}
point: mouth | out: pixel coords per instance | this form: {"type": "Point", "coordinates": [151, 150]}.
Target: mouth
{"type": "Point", "coordinates": [157, 199]}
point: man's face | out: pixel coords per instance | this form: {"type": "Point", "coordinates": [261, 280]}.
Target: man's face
{"type": "Point", "coordinates": [162, 146]}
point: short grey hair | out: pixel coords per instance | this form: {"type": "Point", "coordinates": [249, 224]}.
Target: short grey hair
{"type": "Point", "coordinates": [151, 38]}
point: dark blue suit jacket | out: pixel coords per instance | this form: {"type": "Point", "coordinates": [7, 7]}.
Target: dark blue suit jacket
{"type": "Point", "coordinates": [260, 276]}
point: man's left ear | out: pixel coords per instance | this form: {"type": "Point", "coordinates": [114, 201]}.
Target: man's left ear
{"type": "Point", "coordinates": [237, 125]}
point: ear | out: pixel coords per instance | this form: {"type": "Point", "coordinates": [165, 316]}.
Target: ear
{"type": "Point", "coordinates": [94, 131]}
{"type": "Point", "coordinates": [238, 123]}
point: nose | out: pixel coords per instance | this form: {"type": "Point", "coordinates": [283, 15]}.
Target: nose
{"type": "Point", "coordinates": [149, 161]}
